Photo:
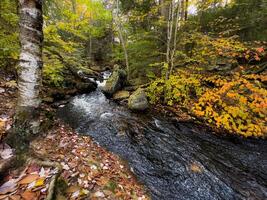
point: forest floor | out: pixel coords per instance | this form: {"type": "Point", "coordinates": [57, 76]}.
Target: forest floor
{"type": "Point", "coordinates": [82, 168]}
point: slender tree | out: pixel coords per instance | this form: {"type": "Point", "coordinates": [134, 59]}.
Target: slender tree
{"type": "Point", "coordinates": [182, 9]}
{"type": "Point", "coordinates": [118, 24]}
{"type": "Point", "coordinates": [186, 10]}
{"type": "Point", "coordinates": [172, 31]}
{"type": "Point", "coordinates": [29, 72]}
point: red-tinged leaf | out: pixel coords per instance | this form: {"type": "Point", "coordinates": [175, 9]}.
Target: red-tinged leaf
{"type": "Point", "coordinates": [29, 178]}
{"type": "Point", "coordinates": [27, 195]}
{"type": "Point", "coordinates": [260, 50]}
{"type": "Point", "coordinates": [257, 58]}
{"type": "Point", "coordinates": [33, 168]}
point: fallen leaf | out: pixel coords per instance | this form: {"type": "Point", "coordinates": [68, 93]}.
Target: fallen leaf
{"type": "Point", "coordinates": [65, 166]}
{"type": "Point", "coordinates": [2, 124]}
{"type": "Point", "coordinates": [99, 194]}
{"type": "Point", "coordinates": [6, 153]}
{"type": "Point", "coordinates": [27, 195]}
{"type": "Point", "coordinates": [84, 192]}
{"type": "Point", "coordinates": [4, 196]}
{"type": "Point", "coordinates": [42, 172]}
{"type": "Point", "coordinates": [11, 84]}
{"type": "Point", "coordinates": [73, 188]}
{"type": "Point", "coordinates": [2, 90]}
{"type": "Point", "coordinates": [31, 185]}
{"type": "Point", "coordinates": [29, 179]}
{"type": "Point", "coordinates": [33, 168]}
{"type": "Point", "coordinates": [76, 194]}
{"type": "Point", "coordinates": [15, 197]}
{"type": "Point", "coordinates": [8, 186]}
{"type": "Point", "coordinates": [195, 168]}
{"type": "Point", "coordinates": [39, 182]}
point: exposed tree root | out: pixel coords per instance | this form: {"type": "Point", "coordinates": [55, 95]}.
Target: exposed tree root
{"type": "Point", "coordinates": [47, 163]}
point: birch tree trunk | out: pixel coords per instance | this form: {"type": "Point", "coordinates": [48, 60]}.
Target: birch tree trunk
{"type": "Point", "coordinates": [29, 72]}
{"type": "Point", "coordinates": [172, 31]}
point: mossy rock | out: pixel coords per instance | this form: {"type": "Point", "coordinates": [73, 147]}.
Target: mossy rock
{"type": "Point", "coordinates": [120, 95]}
{"type": "Point", "coordinates": [138, 100]}
{"type": "Point", "coordinates": [115, 82]}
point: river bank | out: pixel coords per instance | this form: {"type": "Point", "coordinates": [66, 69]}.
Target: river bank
{"type": "Point", "coordinates": [86, 169]}
{"type": "Point", "coordinates": [172, 158]}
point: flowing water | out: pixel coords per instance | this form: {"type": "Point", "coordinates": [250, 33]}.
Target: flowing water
{"type": "Point", "coordinates": [173, 160]}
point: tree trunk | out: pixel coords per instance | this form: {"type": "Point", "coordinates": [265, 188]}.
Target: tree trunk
{"type": "Point", "coordinates": [186, 10]}
{"type": "Point", "coordinates": [164, 9]}
{"type": "Point", "coordinates": [122, 40]}
{"type": "Point", "coordinates": [29, 72]}
{"type": "Point", "coordinates": [182, 10]}
{"type": "Point", "coordinates": [74, 6]}
{"type": "Point", "coordinates": [172, 31]}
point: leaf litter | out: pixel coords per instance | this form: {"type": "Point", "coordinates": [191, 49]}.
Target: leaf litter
{"type": "Point", "coordinates": [32, 183]}
{"type": "Point", "coordinates": [89, 171]}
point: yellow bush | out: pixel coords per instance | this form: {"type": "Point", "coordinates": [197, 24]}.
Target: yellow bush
{"type": "Point", "coordinates": [239, 106]}
{"type": "Point", "coordinates": [236, 103]}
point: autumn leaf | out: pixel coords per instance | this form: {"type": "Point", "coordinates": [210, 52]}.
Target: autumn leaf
{"type": "Point", "coordinates": [11, 84]}
{"type": "Point", "coordinates": [2, 124]}
{"type": "Point", "coordinates": [29, 179]}
{"type": "Point", "coordinates": [39, 182]}
{"type": "Point", "coordinates": [257, 58]}
{"type": "Point", "coordinates": [6, 153]}
{"type": "Point", "coordinates": [27, 195]}
{"type": "Point", "coordinates": [8, 186]}
{"type": "Point", "coordinates": [15, 197]}
{"type": "Point", "coordinates": [73, 189]}
{"type": "Point", "coordinates": [195, 168]}
{"type": "Point", "coordinates": [260, 50]}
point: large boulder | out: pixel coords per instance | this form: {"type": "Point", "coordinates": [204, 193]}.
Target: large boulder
{"type": "Point", "coordinates": [115, 82]}
{"type": "Point", "coordinates": [138, 100]}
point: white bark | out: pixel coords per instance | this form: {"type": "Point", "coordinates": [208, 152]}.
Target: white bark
{"type": "Point", "coordinates": [172, 30]}
{"type": "Point", "coordinates": [30, 65]}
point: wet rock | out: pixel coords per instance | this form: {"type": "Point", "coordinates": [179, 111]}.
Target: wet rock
{"type": "Point", "coordinates": [115, 82]}
{"type": "Point", "coordinates": [60, 104]}
{"type": "Point", "coordinates": [138, 100]}
{"type": "Point", "coordinates": [86, 87]}
{"type": "Point", "coordinates": [48, 99]}
{"type": "Point", "coordinates": [97, 68]}
{"type": "Point", "coordinates": [120, 95]}
{"type": "Point", "coordinates": [223, 64]}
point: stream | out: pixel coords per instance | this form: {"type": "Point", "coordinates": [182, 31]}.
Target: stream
{"type": "Point", "coordinates": [173, 160]}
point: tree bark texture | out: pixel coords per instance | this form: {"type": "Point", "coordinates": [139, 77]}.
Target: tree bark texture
{"type": "Point", "coordinates": [29, 70]}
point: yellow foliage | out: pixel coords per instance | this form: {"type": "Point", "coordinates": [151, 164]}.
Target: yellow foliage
{"type": "Point", "coordinates": [239, 106]}
{"type": "Point", "coordinates": [236, 103]}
